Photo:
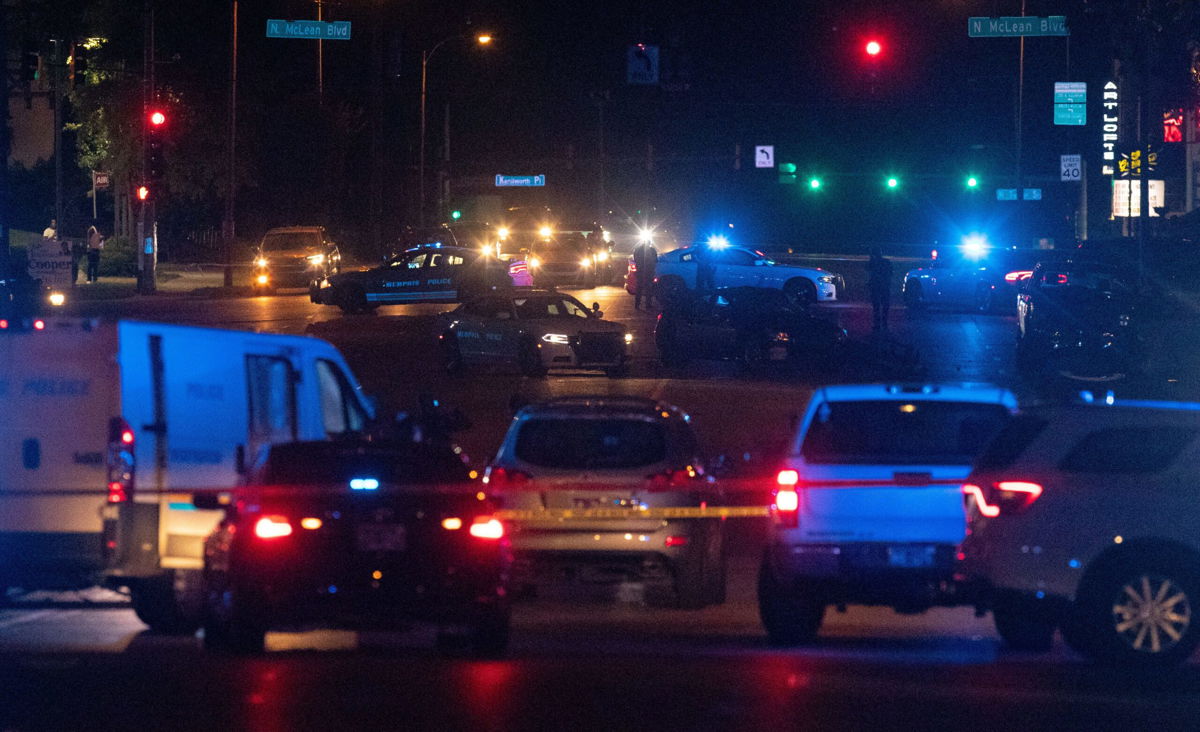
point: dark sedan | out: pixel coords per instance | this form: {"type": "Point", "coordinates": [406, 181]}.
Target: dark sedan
{"type": "Point", "coordinates": [754, 325]}
{"type": "Point", "coordinates": [427, 273]}
{"type": "Point", "coordinates": [363, 535]}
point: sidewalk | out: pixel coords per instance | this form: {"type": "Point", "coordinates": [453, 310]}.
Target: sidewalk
{"type": "Point", "coordinates": [173, 280]}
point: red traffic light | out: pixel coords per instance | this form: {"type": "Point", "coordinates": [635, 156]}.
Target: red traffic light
{"type": "Point", "coordinates": [157, 118]}
{"type": "Point", "coordinates": [873, 48]}
{"type": "Point", "coordinates": [143, 193]}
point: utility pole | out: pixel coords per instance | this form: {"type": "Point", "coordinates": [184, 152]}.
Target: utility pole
{"type": "Point", "coordinates": [5, 146]}
{"type": "Point", "coordinates": [320, 58]}
{"type": "Point", "coordinates": [56, 100]}
{"type": "Point", "coordinates": [227, 226]}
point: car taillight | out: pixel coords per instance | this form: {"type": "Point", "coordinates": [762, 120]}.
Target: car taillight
{"type": "Point", "coordinates": [501, 477]}
{"type": "Point", "coordinates": [671, 541]}
{"type": "Point", "coordinates": [119, 461]}
{"type": "Point", "coordinates": [787, 499]}
{"type": "Point", "coordinates": [673, 478]}
{"type": "Point", "coordinates": [1006, 496]}
{"type": "Point", "coordinates": [1017, 276]}
{"type": "Point", "coordinates": [486, 527]}
{"type": "Point", "coordinates": [632, 268]}
{"type": "Point", "coordinates": [272, 527]}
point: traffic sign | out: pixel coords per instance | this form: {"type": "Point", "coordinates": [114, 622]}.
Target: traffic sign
{"type": "Point", "coordinates": [1032, 194]}
{"type": "Point", "coordinates": [764, 156]}
{"type": "Point", "coordinates": [338, 30]}
{"type": "Point", "coordinates": [1015, 26]}
{"type": "Point", "coordinates": [101, 179]}
{"type": "Point", "coordinates": [1070, 103]}
{"type": "Point", "coordinates": [520, 181]}
{"type": "Point", "coordinates": [641, 64]}
{"type": "Point", "coordinates": [1006, 194]}
{"type": "Point", "coordinates": [1070, 114]}
{"type": "Point", "coordinates": [1071, 167]}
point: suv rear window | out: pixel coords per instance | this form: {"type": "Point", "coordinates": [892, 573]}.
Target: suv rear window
{"type": "Point", "coordinates": [901, 432]}
{"type": "Point", "coordinates": [592, 443]}
{"type": "Point", "coordinates": [1128, 450]}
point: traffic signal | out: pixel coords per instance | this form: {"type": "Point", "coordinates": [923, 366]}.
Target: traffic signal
{"type": "Point", "coordinates": [456, 214]}
{"type": "Point", "coordinates": [814, 183]}
{"type": "Point", "coordinates": [892, 182]}
{"type": "Point", "coordinates": [143, 193]}
{"type": "Point", "coordinates": [30, 61]}
{"type": "Point", "coordinates": [156, 122]}
{"type": "Point", "coordinates": [873, 48]}
{"type": "Point", "coordinates": [972, 182]}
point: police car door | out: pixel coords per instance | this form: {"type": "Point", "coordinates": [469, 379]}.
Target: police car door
{"type": "Point", "coordinates": [403, 279]}
{"type": "Point", "coordinates": [443, 273]}
{"type": "Point", "coordinates": [735, 268]}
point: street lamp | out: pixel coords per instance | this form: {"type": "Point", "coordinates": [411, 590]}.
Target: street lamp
{"type": "Point", "coordinates": [482, 39]}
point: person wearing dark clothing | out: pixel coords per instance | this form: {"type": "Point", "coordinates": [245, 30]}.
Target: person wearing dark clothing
{"type": "Point", "coordinates": [95, 243]}
{"type": "Point", "coordinates": [645, 259]}
{"type": "Point", "coordinates": [879, 285]}
{"type": "Point", "coordinates": [706, 269]}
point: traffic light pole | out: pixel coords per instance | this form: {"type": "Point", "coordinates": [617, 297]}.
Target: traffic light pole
{"type": "Point", "coordinates": [228, 223]}
{"type": "Point", "coordinates": [5, 143]}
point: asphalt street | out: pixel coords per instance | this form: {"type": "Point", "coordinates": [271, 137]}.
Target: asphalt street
{"type": "Point", "coordinates": [592, 657]}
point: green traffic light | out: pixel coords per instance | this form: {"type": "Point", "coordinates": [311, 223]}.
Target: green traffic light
{"type": "Point", "coordinates": [456, 215]}
{"type": "Point", "coordinates": [814, 183]}
{"type": "Point", "coordinates": [893, 182]}
{"type": "Point", "coordinates": [972, 182]}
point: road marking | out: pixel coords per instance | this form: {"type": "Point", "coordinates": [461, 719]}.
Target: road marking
{"type": "Point", "coordinates": [34, 616]}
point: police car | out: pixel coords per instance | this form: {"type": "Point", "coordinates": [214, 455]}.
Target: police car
{"type": "Point", "coordinates": [426, 273]}
{"type": "Point", "coordinates": [535, 330]}
{"type": "Point", "coordinates": [740, 267]}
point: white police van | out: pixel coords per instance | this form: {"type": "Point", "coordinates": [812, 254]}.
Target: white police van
{"type": "Point", "coordinates": [868, 508]}
{"type": "Point", "coordinates": [107, 429]}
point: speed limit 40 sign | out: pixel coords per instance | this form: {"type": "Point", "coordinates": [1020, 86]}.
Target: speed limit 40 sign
{"type": "Point", "coordinates": [1072, 168]}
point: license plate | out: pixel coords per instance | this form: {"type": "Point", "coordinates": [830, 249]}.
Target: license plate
{"type": "Point", "coordinates": [910, 556]}
{"type": "Point", "coordinates": [381, 538]}
{"type": "Point", "coordinates": [778, 353]}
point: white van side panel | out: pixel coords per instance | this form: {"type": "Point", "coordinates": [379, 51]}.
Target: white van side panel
{"type": "Point", "coordinates": [57, 395]}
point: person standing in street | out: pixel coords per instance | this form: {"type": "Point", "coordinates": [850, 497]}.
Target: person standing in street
{"type": "Point", "coordinates": [95, 243]}
{"type": "Point", "coordinates": [879, 285]}
{"type": "Point", "coordinates": [645, 259]}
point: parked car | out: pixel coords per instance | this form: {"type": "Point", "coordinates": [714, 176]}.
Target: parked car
{"type": "Point", "coordinates": [749, 324]}
{"type": "Point", "coordinates": [427, 273]}
{"type": "Point", "coordinates": [978, 278]}
{"type": "Point", "coordinates": [1080, 320]}
{"type": "Point", "coordinates": [741, 267]}
{"type": "Point", "coordinates": [294, 256]}
{"type": "Point", "coordinates": [356, 534]}
{"type": "Point", "coordinates": [1083, 517]}
{"type": "Point", "coordinates": [534, 330]}
{"type": "Point", "coordinates": [869, 508]}
{"type": "Point", "coordinates": [586, 453]}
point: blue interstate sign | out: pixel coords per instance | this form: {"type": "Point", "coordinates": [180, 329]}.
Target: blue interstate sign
{"type": "Point", "coordinates": [524, 181]}
{"type": "Point", "coordinates": [338, 30]}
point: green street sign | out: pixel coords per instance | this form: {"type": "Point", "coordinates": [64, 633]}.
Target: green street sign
{"type": "Point", "coordinates": [1070, 114]}
{"type": "Point", "coordinates": [338, 30]}
{"type": "Point", "coordinates": [1016, 26]}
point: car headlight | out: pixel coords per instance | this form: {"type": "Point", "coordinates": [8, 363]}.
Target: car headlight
{"type": "Point", "coordinates": [316, 260]}
{"type": "Point", "coordinates": [263, 279]}
{"type": "Point", "coordinates": [827, 279]}
{"type": "Point", "coordinates": [585, 262]}
{"type": "Point", "coordinates": [602, 256]}
{"type": "Point", "coordinates": [628, 338]}
{"type": "Point", "coordinates": [261, 262]}
{"type": "Point", "coordinates": [534, 263]}
{"type": "Point", "coordinates": [559, 338]}
{"type": "Point", "coordinates": [57, 299]}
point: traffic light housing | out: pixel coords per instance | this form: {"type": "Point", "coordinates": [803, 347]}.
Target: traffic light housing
{"type": "Point", "coordinates": [30, 61]}
{"type": "Point", "coordinates": [156, 122]}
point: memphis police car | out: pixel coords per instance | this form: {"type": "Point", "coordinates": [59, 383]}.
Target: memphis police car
{"type": "Point", "coordinates": [741, 267]}
{"type": "Point", "coordinates": [426, 273]}
{"type": "Point", "coordinates": [534, 330]}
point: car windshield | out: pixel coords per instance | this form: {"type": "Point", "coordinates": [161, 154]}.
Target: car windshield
{"type": "Point", "coordinates": [902, 432]}
{"type": "Point", "coordinates": [589, 444]}
{"type": "Point", "coordinates": [291, 241]}
{"type": "Point", "coordinates": [538, 308]}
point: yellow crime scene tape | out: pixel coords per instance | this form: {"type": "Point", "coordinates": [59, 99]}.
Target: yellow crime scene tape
{"type": "Point", "coordinates": [672, 512]}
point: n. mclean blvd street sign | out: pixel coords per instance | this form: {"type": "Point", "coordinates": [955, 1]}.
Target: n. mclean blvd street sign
{"type": "Point", "coordinates": [338, 30]}
{"type": "Point", "coordinates": [1011, 27]}
{"type": "Point", "coordinates": [524, 181]}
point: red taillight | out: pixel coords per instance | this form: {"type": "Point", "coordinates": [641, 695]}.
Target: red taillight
{"type": "Point", "coordinates": [3, 324]}
{"type": "Point", "coordinates": [119, 462]}
{"type": "Point", "coordinates": [116, 492]}
{"type": "Point", "coordinates": [39, 325]}
{"type": "Point", "coordinates": [1017, 276]}
{"type": "Point", "coordinates": [500, 477]}
{"type": "Point", "coordinates": [272, 527]}
{"type": "Point", "coordinates": [632, 268]}
{"type": "Point", "coordinates": [1006, 496]}
{"type": "Point", "coordinates": [486, 527]}
{"type": "Point", "coordinates": [787, 499]}
{"type": "Point", "coordinates": [787, 478]}
{"type": "Point", "coordinates": [675, 541]}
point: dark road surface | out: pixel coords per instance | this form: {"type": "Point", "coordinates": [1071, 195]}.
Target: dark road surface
{"type": "Point", "coordinates": [583, 660]}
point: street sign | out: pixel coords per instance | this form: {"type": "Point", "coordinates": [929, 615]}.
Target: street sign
{"type": "Point", "coordinates": [1012, 27]}
{"type": "Point", "coordinates": [338, 30]}
{"type": "Point", "coordinates": [520, 181]}
{"type": "Point", "coordinates": [764, 156]}
{"type": "Point", "coordinates": [1006, 194]}
{"type": "Point", "coordinates": [1071, 167]}
{"type": "Point", "coordinates": [101, 179]}
{"type": "Point", "coordinates": [1070, 103]}
{"type": "Point", "coordinates": [1032, 194]}
{"type": "Point", "coordinates": [641, 64]}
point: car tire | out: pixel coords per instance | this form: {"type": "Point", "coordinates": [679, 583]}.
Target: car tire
{"type": "Point", "coordinates": [530, 360]}
{"type": "Point", "coordinates": [170, 603]}
{"type": "Point", "coordinates": [230, 624]}
{"type": "Point", "coordinates": [451, 354]}
{"type": "Point", "coordinates": [801, 292]}
{"type": "Point", "coordinates": [1111, 602]}
{"type": "Point", "coordinates": [1022, 628]}
{"type": "Point", "coordinates": [791, 615]}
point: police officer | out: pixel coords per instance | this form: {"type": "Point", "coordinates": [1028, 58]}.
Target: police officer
{"type": "Point", "coordinates": [879, 285]}
{"type": "Point", "coordinates": [645, 259]}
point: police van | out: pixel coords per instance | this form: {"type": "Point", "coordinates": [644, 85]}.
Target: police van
{"type": "Point", "coordinates": [107, 430]}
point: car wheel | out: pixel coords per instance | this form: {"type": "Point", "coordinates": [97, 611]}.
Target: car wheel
{"type": "Point", "coordinates": [1141, 610]}
{"type": "Point", "coordinates": [169, 603]}
{"type": "Point", "coordinates": [530, 360]}
{"type": "Point", "coordinates": [1022, 627]}
{"type": "Point", "coordinates": [451, 354]}
{"type": "Point", "coordinates": [914, 299]}
{"type": "Point", "coordinates": [801, 292]}
{"type": "Point", "coordinates": [790, 615]}
{"type": "Point", "coordinates": [229, 622]}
